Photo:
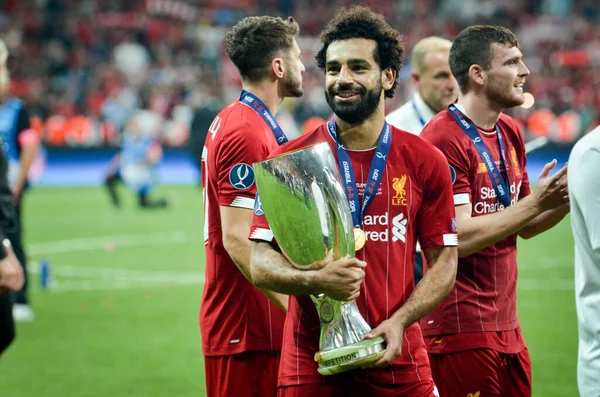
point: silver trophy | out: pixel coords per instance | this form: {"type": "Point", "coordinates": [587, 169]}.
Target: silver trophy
{"type": "Point", "coordinates": [302, 197]}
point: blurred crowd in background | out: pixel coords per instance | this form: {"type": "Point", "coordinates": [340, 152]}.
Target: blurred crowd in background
{"type": "Point", "coordinates": [84, 67]}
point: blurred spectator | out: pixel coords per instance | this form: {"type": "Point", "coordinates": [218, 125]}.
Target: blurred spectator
{"type": "Point", "coordinates": [105, 57]}
{"type": "Point", "coordinates": [202, 118]}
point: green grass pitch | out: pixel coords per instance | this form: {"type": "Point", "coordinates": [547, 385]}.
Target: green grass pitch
{"type": "Point", "coordinates": [122, 317]}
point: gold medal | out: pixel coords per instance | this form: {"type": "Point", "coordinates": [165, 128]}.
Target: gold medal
{"type": "Point", "coordinates": [360, 238]}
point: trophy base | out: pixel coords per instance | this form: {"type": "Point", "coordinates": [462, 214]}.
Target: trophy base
{"type": "Point", "coordinates": [350, 357]}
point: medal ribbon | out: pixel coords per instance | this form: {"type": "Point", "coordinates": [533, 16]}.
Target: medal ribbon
{"type": "Point", "coordinates": [375, 173]}
{"type": "Point", "coordinates": [262, 110]}
{"type": "Point", "coordinates": [414, 104]}
{"type": "Point", "coordinates": [500, 185]}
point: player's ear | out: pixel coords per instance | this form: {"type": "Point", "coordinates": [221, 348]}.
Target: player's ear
{"type": "Point", "coordinates": [477, 74]}
{"type": "Point", "coordinates": [388, 77]}
{"type": "Point", "coordinates": [414, 76]}
{"type": "Point", "coordinates": [278, 67]}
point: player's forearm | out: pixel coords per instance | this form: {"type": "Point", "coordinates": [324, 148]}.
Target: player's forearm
{"type": "Point", "coordinates": [477, 233]}
{"type": "Point", "coordinates": [544, 221]}
{"type": "Point", "coordinates": [28, 154]}
{"type": "Point", "coordinates": [239, 251]}
{"type": "Point", "coordinates": [433, 288]}
{"type": "Point", "coordinates": [271, 270]}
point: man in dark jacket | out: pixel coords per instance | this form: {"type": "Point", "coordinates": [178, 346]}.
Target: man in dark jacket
{"type": "Point", "coordinates": [11, 272]}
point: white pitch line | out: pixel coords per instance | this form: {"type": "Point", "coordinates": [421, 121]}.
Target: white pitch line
{"type": "Point", "coordinates": [89, 278]}
{"type": "Point", "coordinates": [106, 285]}
{"type": "Point", "coordinates": [106, 273]}
{"type": "Point", "coordinates": [92, 243]}
{"type": "Point", "coordinates": [116, 284]}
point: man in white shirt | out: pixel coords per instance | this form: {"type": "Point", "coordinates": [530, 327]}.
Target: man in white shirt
{"type": "Point", "coordinates": [584, 193]}
{"type": "Point", "coordinates": [435, 89]}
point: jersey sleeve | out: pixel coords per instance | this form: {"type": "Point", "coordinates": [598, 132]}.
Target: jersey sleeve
{"type": "Point", "coordinates": [260, 229]}
{"type": "Point", "coordinates": [436, 219]}
{"type": "Point", "coordinates": [235, 174]}
{"type": "Point", "coordinates": [457, 159]}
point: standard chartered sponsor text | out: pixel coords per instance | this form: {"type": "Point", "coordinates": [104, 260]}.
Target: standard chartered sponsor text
{"type": "Point", "coordinates": [374, 220]}
{"type": "Point", "coordinates": [492, 204]}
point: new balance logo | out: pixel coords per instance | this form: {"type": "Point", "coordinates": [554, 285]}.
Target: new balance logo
{"type": "Point", "coordinates": [399, 228]}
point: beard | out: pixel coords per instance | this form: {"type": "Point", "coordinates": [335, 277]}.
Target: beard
{"type": "Point", "coordinates": [359, 110]}
{"type": "Point", "coordinates": [292, 87]}
{"type": "Point", "coordinates": [502, 94]}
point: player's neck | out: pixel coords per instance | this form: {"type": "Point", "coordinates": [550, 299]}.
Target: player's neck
{"type": "Point", "coordinates": [480, 110]}
{"type": "Point", "coordinates": [267, 93]}
{"type": "Point", "coordinates": [364, 135]}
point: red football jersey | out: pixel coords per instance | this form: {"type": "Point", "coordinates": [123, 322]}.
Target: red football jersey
{"type": "Point", "coordinates": [484, 296]}
{"type": "Point", "coordinates": [414, 201]}
{"type": "Point", "coordinates": [234, 315]}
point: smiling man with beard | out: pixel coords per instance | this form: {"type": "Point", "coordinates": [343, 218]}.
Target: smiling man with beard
{"type": "Point", "coordinates": [241, 328]}
{"type": "Point", "coordinates": [403, 190]}
{"type": "Point", "coordinates": [473, 337]}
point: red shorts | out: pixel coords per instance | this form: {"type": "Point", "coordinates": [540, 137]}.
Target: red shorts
{"type": "Point", "coordinates": [246, 374]}
{"type": "Point", "coordinates": [348, 387]}
{"type": "Point", "coordinates": [482, 372]}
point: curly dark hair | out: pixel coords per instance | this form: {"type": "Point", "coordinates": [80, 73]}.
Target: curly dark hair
{"type": "Point", "coordinates": [473, 46]}
{"type": "Point", "coordinates": [359, 22]}
{"type": "Point", "coordinates": [254, 41]}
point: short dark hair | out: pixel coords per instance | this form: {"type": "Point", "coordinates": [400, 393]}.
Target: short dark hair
{"type": "Point", "coordinates": [254, 41]}
{"type": "Point", "coordinates": [473, 46]}
{"type": "Point", "coordinates": [359, 22]}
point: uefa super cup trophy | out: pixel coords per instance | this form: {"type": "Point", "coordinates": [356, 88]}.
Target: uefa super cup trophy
{"type": "Point", "coordinates": [302, 197]}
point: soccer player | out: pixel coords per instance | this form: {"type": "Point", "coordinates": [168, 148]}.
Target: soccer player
{"type": "Point", "coordinates": [473, 337]}
{"type": "Point", "coordinates": [584, 193]}
{"type": "Point", "coordinates": [241, 328]}
{"type": "Point", "coordinates": [135, 164]}
{"type": "Point", "coordinates": [21, 143]}
{"type": "Point", "coordinates": [361, 57]}
{"type": "Point", "coordinates": [436, 88]}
